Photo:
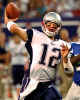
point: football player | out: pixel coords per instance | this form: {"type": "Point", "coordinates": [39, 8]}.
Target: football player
{"type": "Point", "coordinates": [74, 91]}
{"type": "Point", "coordinates": [45, 55]}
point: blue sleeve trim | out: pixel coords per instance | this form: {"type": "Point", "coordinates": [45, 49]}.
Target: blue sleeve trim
{"type": "Point", "coordinates": [30, 35]}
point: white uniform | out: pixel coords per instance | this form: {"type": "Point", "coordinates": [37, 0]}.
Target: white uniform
{"type": "Point", "coordinates": [45, 58]}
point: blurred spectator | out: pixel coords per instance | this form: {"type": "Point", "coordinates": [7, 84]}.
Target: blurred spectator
{"type": "Point", "coordinates": [4, 66]}
{"type": "Point", "coordinates": [4, 55]}
{"type": "Point", "coordinates": [76, 9]}
{"type": "Point", "coordinates": [64, 35]}
{"type": "Point", "coordinates": [75, 38]}
{"type": "Point", "coordinates": [24, 4]}
{"type": "Point", "coordinates": [77, 4]}
{"type": "Point", "coordinates": [64, 7]}
{"type": "Point", "coordinates": [36, 8]}
{"type": "Point", "coordinates": [19, 54]}
{"type": "Point", "coordinates": [41, 8]}
{"type": "Point", "coordinates": [50, 5]}
{"type": "Point", "coordinates": [32, 11]}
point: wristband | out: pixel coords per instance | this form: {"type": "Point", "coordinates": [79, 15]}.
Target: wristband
{"type": "Point", "coordinates": [9, 24]}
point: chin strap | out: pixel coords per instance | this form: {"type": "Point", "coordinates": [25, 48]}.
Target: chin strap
{"type": "Point", "coordinates": [48, 33]}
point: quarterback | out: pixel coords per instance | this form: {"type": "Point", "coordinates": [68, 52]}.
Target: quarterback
{"type": "Point", "coordinates": [45, 55]}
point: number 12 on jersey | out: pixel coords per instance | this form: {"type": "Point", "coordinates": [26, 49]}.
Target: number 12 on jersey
{"type": "Point", "coordinates": [52, 59]}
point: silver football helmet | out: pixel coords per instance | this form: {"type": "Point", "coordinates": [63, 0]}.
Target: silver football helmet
{"type": "Point", "coordinates": [54, 18]}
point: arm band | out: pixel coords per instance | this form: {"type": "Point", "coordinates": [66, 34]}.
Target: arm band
{"type": "Point", "coordinates": [9, 24]}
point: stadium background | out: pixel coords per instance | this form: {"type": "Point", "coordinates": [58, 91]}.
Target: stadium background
{"type": "Point", "coordinates": [32, 12]}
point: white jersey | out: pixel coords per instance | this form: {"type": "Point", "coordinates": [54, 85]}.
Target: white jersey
{"type": "Point", "coordinates": [45, 55]}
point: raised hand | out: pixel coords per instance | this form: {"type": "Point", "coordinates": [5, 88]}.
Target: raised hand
{"type": "Point", "coordinates": [64, 51]}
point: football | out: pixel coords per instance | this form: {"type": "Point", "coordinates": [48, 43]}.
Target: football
{"type": "Point", "coordinates": [12, 11]}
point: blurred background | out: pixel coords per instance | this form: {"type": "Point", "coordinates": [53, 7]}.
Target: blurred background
{"type": "Point", "coordinates": [13, 55]}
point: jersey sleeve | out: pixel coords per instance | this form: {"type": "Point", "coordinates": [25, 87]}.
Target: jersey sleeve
{"type": "Point", "coordinates": [75, 48]}
{"type": "Point", "coordinates": [30, 34]}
